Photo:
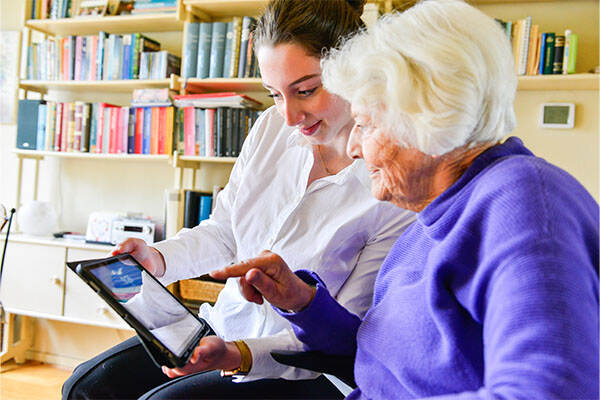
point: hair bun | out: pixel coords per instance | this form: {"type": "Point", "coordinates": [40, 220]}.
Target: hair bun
{"type": "Point", "coordinates": [357, 5]}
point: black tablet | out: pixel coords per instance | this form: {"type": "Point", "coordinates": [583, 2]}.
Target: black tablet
{"type": "Point", "coordinates": [168, 329]}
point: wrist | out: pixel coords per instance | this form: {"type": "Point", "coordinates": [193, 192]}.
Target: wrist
{"type": "Point", "coordinates": [159, 261]}
{"type": "Point", "coordinates": [307, 297]}
{"type": "Point", "coordinates": [239, 359]}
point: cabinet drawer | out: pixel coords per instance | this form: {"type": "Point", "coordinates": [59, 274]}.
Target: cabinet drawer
{"type": "Point", "coordinates": [80, 300]}
{"type": "Point", "coordinates": [33, 278]}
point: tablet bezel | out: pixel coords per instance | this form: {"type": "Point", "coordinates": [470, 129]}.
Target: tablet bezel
{"type": "Point", "coordinates": [165, 356]}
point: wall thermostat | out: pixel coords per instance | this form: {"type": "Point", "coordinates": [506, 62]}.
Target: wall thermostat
{"type": "Point", "coordinates": [557, 115]}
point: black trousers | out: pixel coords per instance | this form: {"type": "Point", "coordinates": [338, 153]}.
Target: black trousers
{"type": "Point", "coordinates": [127, 372]}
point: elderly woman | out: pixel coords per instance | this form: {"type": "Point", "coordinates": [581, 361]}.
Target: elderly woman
{"type": "Point", "coordinates": [493, 292]}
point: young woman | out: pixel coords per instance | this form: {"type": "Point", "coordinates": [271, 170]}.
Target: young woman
{"type": "Point", "coordinates": [294, 191]}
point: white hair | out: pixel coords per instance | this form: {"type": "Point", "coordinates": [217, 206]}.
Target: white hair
{"type": "Point", "coordinates": [438, 76]}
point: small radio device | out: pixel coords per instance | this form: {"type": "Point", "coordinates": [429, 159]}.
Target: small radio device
{"type": "Point", "coordinates": [113, 228]}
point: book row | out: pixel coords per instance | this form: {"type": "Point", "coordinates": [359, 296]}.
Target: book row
{"type": "Point", "coordinates": [213, 132]}
{"type": "Point", "coordinates": [94, 128]}
{"type": "Point", "coordinates": [197, 207]}
{"type": "Point", "coordinates": [54, 9]}
{"type": "Point", "coordinates": [219, 49]}
{"type": "Point", "coordinates": [98, 57]}
{"type": "Point", "coordinates": [109, 129]}
{"type": "Point", "coordinates": [540, 53]}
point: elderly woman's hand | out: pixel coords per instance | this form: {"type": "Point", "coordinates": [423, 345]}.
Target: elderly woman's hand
{"type": "Point", "coordinates": [269, 276]}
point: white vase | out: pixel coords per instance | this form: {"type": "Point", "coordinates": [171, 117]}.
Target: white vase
{"type": "Point", "coordinates": [37, 218]}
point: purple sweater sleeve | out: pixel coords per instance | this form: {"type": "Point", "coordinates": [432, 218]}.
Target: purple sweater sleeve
{"type": "Point", "coordinates": [324, 325]}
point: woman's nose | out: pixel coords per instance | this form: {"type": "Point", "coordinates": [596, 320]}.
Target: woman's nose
{"type": "Point", "coordinates": [354, 146]}
{"type": "Point", "coordinates": [292, 113]}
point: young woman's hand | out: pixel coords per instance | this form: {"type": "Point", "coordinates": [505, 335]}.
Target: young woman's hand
{"type": "Point", "coordinates": [269, 276]}
{"type": "Point", "coordinates": [212, 353]}
{"type": "Point", "coordinates": [149, 257]}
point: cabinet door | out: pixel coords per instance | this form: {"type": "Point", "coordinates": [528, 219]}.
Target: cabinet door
{"type": "Point", "coordinates": [81, 303]}
{"type": "Point", "coordinates": [33, 278]}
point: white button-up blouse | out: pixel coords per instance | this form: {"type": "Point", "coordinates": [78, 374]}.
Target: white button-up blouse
{"type": "Point", "coordinates": [333, 227]}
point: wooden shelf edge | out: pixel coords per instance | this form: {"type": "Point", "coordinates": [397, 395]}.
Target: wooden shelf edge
{"type": "Point", "coordinates": [123, 85]}
{"type": "Point", "coordinates": [585, 81]}
{"type": "Point", "coordinates": [111, 24]}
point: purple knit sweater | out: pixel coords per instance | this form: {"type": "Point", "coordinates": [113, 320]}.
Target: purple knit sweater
{"type": "Point", "coordinates": [491, 293]}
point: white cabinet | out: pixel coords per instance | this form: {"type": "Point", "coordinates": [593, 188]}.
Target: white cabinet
{"type": "Point", "coordinates": [36, 282]}
{"type": "Point", "coordinates": [33, 279]}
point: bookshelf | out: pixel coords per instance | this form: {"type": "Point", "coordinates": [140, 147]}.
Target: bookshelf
{"type": "Point", "coordinates": [116, 86]}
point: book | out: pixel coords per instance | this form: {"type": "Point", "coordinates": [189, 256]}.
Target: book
{"type": "Point", "coordinates": [548, 63]}
{"type": "Point", "coordinates": [169, 122]}
{"type": "Point", "coordinates": [192, 207]}
{"type": "Point", "coordinates": [570, 56]}
{"type": "Point", "coordinates": [147, 130]}
{"type": "Point", "coordinates": [162, 129]}
{"type": "Point", "coordinates": [534, 50]}
{"type": "Point", "coordinates": [235, 48]}
{"type": "Point", "coordinates": [247, 24]}
{"type": "Point", "coordinates": [139, 130]}
{"type": "Point", "coordinates": [191, 31]}
{"type": "Point", "coordinates": [205, 207]}
{"type": "Point", "coordinates": [559, 47]}
{"type": "Point", "coordinates": [154, 129]}
{"type": "Point", "coordinates": [40, 126]}
{"type": "Point", "coordinates": [227, 53]}
{"type": "Point", "coordinates": [212, 100]}
{"type": "Point", "coordinates": [524, 45]}
{"type": "Point", "coordinates": [204, 44]}
{"type": "Point", "coordinates": [78, 115]}
{"type": "Point", "coordinates": [217, 50]}
{"type": "Point", "coordinates": [131, 131]}
{"type": "Point", "coordinates": [209, 132]}
{"type": "Point", "coordinates": [50, 126]}
{"type": "Point", "coordinates": [189, 126]}
{"type": "Point", "coordinates": [200, 135]}
{"type": "Point", "coordinates": [58, 126]}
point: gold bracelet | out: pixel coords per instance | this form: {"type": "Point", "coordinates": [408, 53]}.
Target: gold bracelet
{"type": "Point", "coordinates": [246, 363]}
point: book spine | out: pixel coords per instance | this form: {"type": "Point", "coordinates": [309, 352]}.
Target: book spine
{"type": "Point", "coordinates": [41, 126]}
{"type": "Point", "coordinates": [227, 54]}
{"type": "Point", "coordinates": [147, 130]}
{"type": "Point", "coordinates": [100, 127]}
{"type": "Point", "coordinates": [217, 50]}
{"type": "Point", "coordinates": [559, 47]}
{"type": "Point", "coordinates": [162, 131]}
{"type": "Point", "coordinates": [228, 132]}
{"type": "Point", "coordinates": [93, 67]}
{"type": "Point", "coordinates": [100, 55]}
{"type": "Point", "coordinates": [113, 130]}
{"type": "Point", "coordinates": [524, 45]}
{"type": "Point", "coordinates": [154, 130]}
{"type": "Point", "coordinates": [189, 127]}
{"type": "Point", "coordinates": [235, 131]}
{"type": "Point", "coordinates": [131, 115]}
{"type": "Point", "coordinates": [209, 129]}
{"type": "Point", "coordinates": [205, 208]}
{"type": "Point", "coordinates": [139, 130]}
{"type": "Point", "coordinates": [136, 39]}
{"type": "Point", "coordinates": [245, 35]}
{"type": "Point", "coordinates": [124, 131]}
{"type": "Point", "coordinates": [71, 126]}
{"type": "Point", "coordinates": [191, 208]}
{"type": "Point", "coordinates": [85, 128]}
{"type": "Point", "coordinates": [126, 57]}
{"type": "Point", "coordinates": [572, 61]}
{"type": "Point", "coordinates": [200, 136]}
{"type": "Point", "coordinates": [549, 53]}
{"type": "Point", "coordinates": [219, 131]}
{"type": "Point", "coordinates": [235, 47]}
{"type": "Point", "coordinates": [181, 132]}
{"type": "Point", "coordinates": [204, 44]}
{"type": "Point", "coordinates": [108, 111]}
{"type": "Point", "coordinates": [78, 125]}
{"type": "Point", "coordinates": [58, 126]}
{"type": "Point", "coordinates": [93, 127]}
{"type": "Point", "coordinates": [50, 125]}
{"type": "Point", "coordinates": [169, 122]}
{"type": "Point", "coordinates": [190, 49]}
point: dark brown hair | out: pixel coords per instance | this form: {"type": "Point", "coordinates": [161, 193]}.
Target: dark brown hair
{"type": "Point", "coordinates": [316, 25]}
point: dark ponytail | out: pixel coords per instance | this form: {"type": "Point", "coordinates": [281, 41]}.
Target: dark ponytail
{"type": "Point", "coordinates": [316, 25]}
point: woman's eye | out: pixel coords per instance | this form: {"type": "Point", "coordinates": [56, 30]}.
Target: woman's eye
{"type": "Point", "coordinates": [306, 93]}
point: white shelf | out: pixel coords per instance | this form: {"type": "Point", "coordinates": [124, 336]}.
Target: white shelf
{"type": "Point", "coordinates": [37, 154]}
{"type": "Point", "coordinates": [52, 241]}
{"type": "Point", "coordinates": [559, 82]}
{"type": "Point", "coordinates": [116, 86]}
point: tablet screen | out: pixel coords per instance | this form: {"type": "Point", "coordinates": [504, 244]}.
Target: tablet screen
{"type": "Point", "coordinates": [150, 303]}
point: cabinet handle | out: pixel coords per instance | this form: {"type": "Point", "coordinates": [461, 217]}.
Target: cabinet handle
{"type": "Point", "coordinates": [55, 280]}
